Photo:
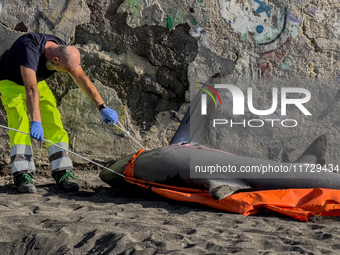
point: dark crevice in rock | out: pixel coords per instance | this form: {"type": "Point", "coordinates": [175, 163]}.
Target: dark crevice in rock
{"type": "Point", "coordinates": [20, 27]}
{"type": "Point", "coordinates": [112, 9]}
{"type": "Point", "coordinates": [4, 24]}
{"type": "Point", "coordinates": [39, 17]}
{"type": "Point", "coordinates": [237, 56]}
{"type": "Point", "coordinates": [312, 41]}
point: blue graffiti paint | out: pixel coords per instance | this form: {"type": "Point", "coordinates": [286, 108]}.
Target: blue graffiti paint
{"type": "Point", "coordinates": [259, 29]}
{"type": "Point", "coordinates": [246, 9]}
{"type": "Point", "coordinates": [263, 7]}
{"type": "Point", "coordinates": [229, 21]}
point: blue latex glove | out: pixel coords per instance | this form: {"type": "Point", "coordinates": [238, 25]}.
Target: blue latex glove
{"type": "Point", "coordinates": [109, 115]}
{"type": "Point", "coordinates": [37, 131]}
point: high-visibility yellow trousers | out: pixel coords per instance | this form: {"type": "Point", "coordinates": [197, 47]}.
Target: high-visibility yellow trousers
{"type": "Point", "coordinates": [13, 98]}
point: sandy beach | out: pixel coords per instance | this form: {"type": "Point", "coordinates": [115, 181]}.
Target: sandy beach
{"type": "Point", "coordinates": [99, 219]}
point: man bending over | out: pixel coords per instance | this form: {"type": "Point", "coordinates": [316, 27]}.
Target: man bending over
{"type": "Point", "coordinates": [23, 69]}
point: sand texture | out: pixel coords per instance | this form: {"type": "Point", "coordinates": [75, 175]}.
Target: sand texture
{"type": "Point", "coordinates": [101, 220]}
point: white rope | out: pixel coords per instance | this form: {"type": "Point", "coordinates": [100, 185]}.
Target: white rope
{"type": "Point", "coordinates": [67, 151]}
{"type": "Point", "coordinates": [127, 133]}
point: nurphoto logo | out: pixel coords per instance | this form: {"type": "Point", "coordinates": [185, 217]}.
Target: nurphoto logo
{"type": "Point", "coordinates": [238, 102]}
{"type": "Point", "coordinates": [204, 97]}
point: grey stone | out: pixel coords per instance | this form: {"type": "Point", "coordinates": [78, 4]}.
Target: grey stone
{"type": "Point", "coordinates": [56, 17]}
{"type": "Point", "coordinates": [88, 134]}
{"type": "Point", "coordinates": [7, 38]}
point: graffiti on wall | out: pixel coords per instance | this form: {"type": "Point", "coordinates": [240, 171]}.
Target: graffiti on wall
{"type": "Point", "coordinates": [135, 6]}
{"type": "Point", "coordinates": [176, 15]}
{"type": "Point", "coordinates": [179, 14]}
{"type": "Point", "coordinates": [271, 25]}
{"type": "Point", "coordinates": [265, 21]}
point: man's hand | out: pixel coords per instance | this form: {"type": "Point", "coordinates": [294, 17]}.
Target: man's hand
{"type": "Point", "coordinates": [37, 132]}
{"type": "Point", "coordinates": [109, 115]}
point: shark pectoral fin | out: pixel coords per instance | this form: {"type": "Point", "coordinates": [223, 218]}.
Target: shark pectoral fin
{"type": "Point", "coordinates": [219, 189]}
{"type": "Point", "coordinates": [221, 192]}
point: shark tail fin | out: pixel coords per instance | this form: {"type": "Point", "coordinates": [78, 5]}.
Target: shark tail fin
{"type": "Point", "coordinates": [315, 153]}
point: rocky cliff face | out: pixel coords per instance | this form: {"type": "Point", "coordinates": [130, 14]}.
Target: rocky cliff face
{"type": "Point", "coordinates": [147, 57]}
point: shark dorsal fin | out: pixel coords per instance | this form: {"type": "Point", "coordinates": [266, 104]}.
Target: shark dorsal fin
{"type": "Point", "coordinates": [315, 153]}
{"type": "Point", "coordinates": [188, 131]}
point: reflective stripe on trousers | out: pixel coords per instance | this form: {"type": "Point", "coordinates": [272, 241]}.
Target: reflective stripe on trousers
{"type": "Point", "coordinates": [13, 97]}
{"type": "Point", "coordinates": [22, 158]}
{"type": "Point", "coordinates": [59, 158]}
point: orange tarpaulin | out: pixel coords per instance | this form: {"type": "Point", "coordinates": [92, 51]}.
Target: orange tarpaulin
{"type": "Point", "coordinates": [297, 203]}
{"type": "Point", "coordinates": [300, 204]}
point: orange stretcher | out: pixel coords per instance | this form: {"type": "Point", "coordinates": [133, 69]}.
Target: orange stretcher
{"type": "Point", "coordinates": [300, 204]}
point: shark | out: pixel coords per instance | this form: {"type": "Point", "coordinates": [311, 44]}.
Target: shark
{"type": "Point", "coordinates": [173, 165]}
{"type": "Point", "coordinates": [185, 163]}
